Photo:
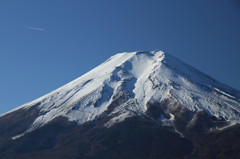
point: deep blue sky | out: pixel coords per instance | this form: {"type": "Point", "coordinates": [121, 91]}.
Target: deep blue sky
{"type": "Point", "coordinates": [46, 43]}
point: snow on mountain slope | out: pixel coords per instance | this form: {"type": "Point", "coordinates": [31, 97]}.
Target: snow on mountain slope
{"type": "Point", "coordinates": [144, 77]}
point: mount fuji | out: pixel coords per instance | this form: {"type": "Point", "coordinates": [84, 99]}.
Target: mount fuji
{"type": "Point", "coordinates": [134, 105]}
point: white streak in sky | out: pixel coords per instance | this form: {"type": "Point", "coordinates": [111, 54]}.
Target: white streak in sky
{"type": "Point", "coordinates": [34, 28]}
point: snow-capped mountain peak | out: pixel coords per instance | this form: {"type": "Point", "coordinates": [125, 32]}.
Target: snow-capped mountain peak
{"type": "Point", "coordinates": [135, 80]}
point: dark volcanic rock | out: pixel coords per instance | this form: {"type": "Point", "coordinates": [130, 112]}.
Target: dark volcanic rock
{"type": "Point", "coordinates": [136, 137]}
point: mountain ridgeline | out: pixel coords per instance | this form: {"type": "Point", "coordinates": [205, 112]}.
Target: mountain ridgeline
{"type": "Point", "coordinates": [145, 105]}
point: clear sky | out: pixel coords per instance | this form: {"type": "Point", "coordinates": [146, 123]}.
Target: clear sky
{"type": "Point", "coordinates": [45, 44]}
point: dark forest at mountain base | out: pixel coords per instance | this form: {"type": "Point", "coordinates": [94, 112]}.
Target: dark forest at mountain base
{"type": "Point", "coordinates": [136, 137]}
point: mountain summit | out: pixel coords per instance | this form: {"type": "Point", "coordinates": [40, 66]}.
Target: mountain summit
{"type": "Point", "coordinates": [153, 86]}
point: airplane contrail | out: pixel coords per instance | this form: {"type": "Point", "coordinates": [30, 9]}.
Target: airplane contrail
{"type": "Point", "coordinates": [34, 28]}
